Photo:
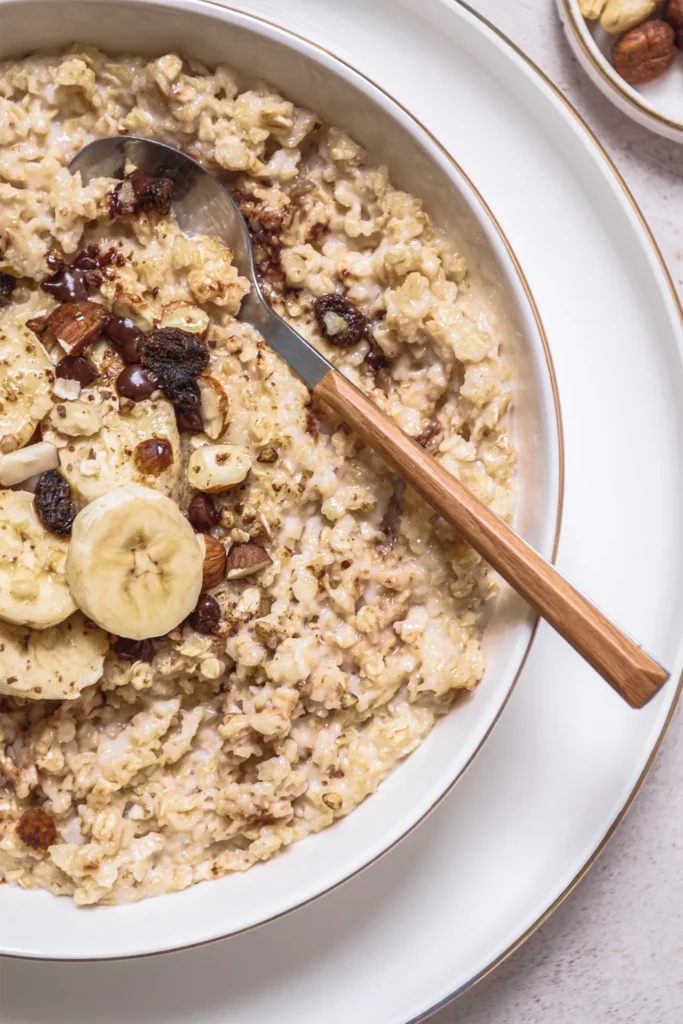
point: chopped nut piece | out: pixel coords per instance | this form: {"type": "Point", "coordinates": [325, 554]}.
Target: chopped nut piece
{"type": "Point", "coordinates": [267, 455]}
{"type": "Point", "coordinates": [246, 559]}
{"type": "Point", "coordinates": [141, 193]}
{"type": "Point", "coordinates": [36, 828]}
{"type": "Point", "coordinates": [213, 407]}
{"type": "Point", "coordinates": [218, 467]}
{"type": "Point", "coordinates": [76, 324]}
{"type": "Point", "coordinates": [214, 560]}
{"type": "Point", "coordinates": [66, 388]}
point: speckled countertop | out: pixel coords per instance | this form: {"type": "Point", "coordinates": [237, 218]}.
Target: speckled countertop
{"type": "Point", "coordinates": [613, 951]}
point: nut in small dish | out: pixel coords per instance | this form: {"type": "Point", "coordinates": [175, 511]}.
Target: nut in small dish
{"type": "Point", "coordinates": [644, 53]}
{"type": "Point", "coordinates": [621, 15]}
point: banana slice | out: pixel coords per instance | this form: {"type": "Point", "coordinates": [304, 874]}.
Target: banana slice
{"type": "Point", "coordinates": [33, 587]}
{"type": "Point", "coordinates": [25, 381]}
{"type": "Point", "coordinates": [51, 664]}
{"type": "Point", "coordinates": [134, 564]}
{"type": "Point", "coordinates": [96, 441]}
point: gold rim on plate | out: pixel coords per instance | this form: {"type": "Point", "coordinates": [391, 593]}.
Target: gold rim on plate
{"type": "Point", "coordinates": [558, 520]}
{"type": "Point", "coordinates": [513, 947]}
{"type": "Point", "coordinates": [629, 95]}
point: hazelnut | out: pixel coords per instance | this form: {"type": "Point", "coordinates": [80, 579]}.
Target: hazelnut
{"type": "Point", "coordinates": [153, 456]}
{"type": "Point", "coordinates": [621, 15]}
{"type": "Point", "coordinates": [218, 467]}
{"type": "Point", "coordinates": [673, 15]}
{"type": "Point", "coordinates": [206, 615]}
{"type": "Point", "coordinates": [267, 455]}
{"type": "Point", "coordinates": [186, 317]}
{"type": "Point", "coordinates": [644, 53]}
{"type": "Point", "coordinates": [202, 513]}
{"type": "Point", "coordinates": [213, 407]}
{"type": "Point", "coordinates": [246, 559]}
{"type": "Point", "coordinates": [76, 324]}
{"type": "Point", "coordinates": [213, 570]}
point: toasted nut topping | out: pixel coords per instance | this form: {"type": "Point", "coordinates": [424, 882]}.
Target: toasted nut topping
{"type": "Point", "coordinates": [36, 828]}
{"type": "Point", "coordinates": [153, 455]}
{"type": "Point", "coordinates": [76, 324]}
{"type": "Point", "coordinates": [214, 560]}
{"type": "Point", "coordinates": [213, 407]}
{"type": "Point", "coordinates": [186, 317]}
{"type": "Point", "coordinates": [20, 465]}
{"type": "Point", "coordinates": [218, 467]}
{"type": "Point", "coordinates": [267, 455]}
{"type": "Point", "coordinates": [245, 559]}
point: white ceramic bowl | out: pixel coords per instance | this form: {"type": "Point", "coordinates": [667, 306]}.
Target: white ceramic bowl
{"type": "Point", "coordinates": [657, 105]}
{"type": "Point", "coordinates": [37, 924]}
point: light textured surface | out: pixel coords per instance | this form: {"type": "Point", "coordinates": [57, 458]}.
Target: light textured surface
{"type": "Point", "coordinates": [613, 951]}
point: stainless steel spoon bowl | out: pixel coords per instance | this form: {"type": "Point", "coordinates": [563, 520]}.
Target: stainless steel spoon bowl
{"type": "Point", "coordinates": [203, 206]}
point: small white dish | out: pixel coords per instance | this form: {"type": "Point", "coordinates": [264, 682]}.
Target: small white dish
{"type": "Point", "coordinates": [36, 924]}
{"type": "Point", "coordinates": [657, 105]}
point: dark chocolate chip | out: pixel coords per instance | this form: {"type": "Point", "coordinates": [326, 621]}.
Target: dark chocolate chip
{"type": "Point", "coordinates": [76, 368]}
{"type": "Point", "coordinates": [136, 383]}
{"type": "Point", "coordinates": [203, 513]}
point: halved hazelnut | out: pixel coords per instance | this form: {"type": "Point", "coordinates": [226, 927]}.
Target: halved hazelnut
{"type": "Point", "coordinates": [218, 467]}
{"type": "Point", "coordinates": [246, 559]}
{"type": "Point", "coordinates": [213, 407]}
{"type": "Point", "coordinates": [76, 324]}
{"type": "Point", "coordinates": [186, 317]}
{"type": "Point", "coordinates": [213, 569]}
{"type": "Point", "coordinates": [153, 456]}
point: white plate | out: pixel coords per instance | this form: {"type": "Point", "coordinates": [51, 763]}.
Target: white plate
{"type": "Point", "coordinates": [36, 924]}
{"type": "Point", "coordinates": [566, 757]}
{"type": "Point", "coordinates": [657, 105]}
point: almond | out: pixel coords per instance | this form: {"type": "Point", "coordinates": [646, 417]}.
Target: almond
{"type": "Point", "coordinates": [213, 406]}
{"type": "Point", "coordinates": [218, 467]}
{"type": "Point", "coordinates": [245, 559]}
{"type": "Point", "coordinates": [214, 560]}
{"type": "Point", "coordinates": [76, 324]}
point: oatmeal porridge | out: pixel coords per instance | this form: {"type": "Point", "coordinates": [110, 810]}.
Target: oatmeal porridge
{"type": "Point", "coordinates": [223, 619]}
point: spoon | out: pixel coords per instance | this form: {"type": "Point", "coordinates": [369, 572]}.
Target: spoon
{"type": "Point", "coordinates": [203, 206]}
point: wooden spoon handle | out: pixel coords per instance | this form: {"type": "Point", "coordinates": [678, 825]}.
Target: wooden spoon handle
{"type": "Point", "coordinates": [618, 658]}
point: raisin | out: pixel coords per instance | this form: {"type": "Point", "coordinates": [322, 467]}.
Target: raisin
{"type": "Point", "coordinates": [173, 345]}
{"type": "Point", "coordinates": [7, 286]}
{"type": "Point", "coordinates": [178, 385]}
{"type": "Point", "coordinates": [53, 504]}
{"type": "Point", "coordinates": [36, 828]}
{"type": "Point", "coordinates": [339, 321]}
{"type": "Point", "coordinates": [206, 615]}
{"type": "Point", "coordinates": [134, 650]}
{"type": "Point", "coordinates": [140, 192]}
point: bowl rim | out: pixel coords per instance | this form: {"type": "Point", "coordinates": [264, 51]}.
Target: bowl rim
{"type": "Point", "coordinates": [577, 26]}
{"type": "Point", "coordinates": [298, 42]}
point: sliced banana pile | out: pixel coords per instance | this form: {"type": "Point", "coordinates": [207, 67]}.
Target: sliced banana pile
{"type": "Point", "coordinates": [25, 374]}
{"type": "Point", "coordinates": [134, 564]}
{"type": "Point", "coordinates": [33, 587]}
{"type": "Point", "coordinates": [51, 664]}
{"type": "Point", "coordinates": [98, 444]}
